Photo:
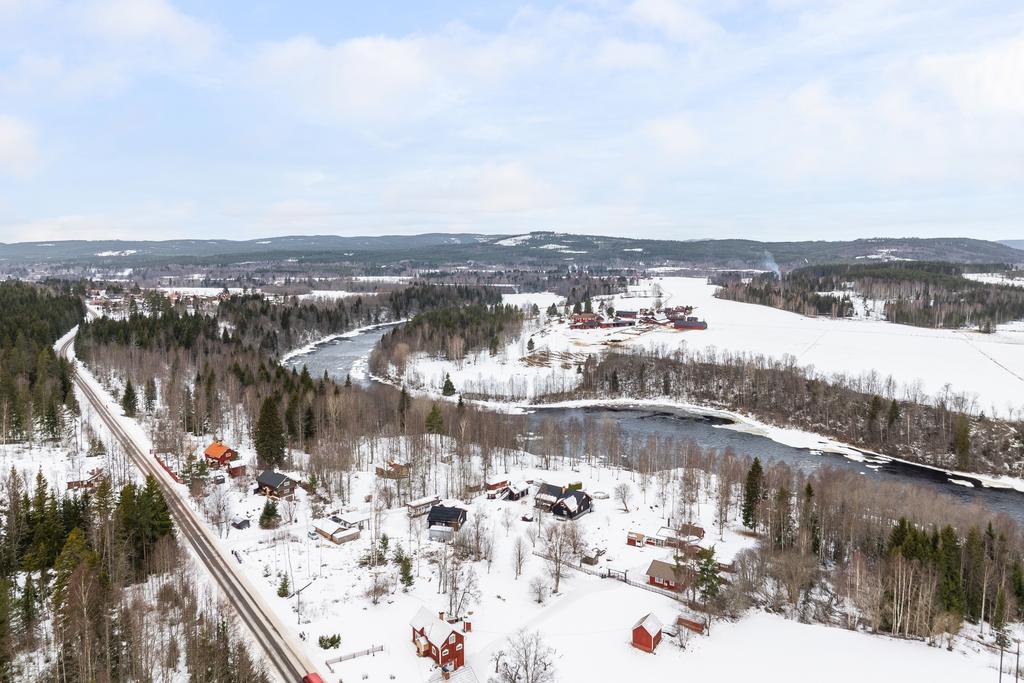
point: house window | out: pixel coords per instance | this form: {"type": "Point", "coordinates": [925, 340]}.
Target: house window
{"type": "Point", "coordinates": [433, 650]}
{"type": "Point", "coordinates": [444, 652]}
{"type": "Point", "coordinates": [458, 647]}
{"type": "Point", "coordinates": [451, 638]}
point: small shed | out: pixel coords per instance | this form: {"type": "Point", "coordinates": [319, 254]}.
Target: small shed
{"type": "Point", "coordinates": [352, 520]}
{"type": "Point", "coordinates": [496, 482]}
{"type": "Point", "coordinates": [517, 491]}
{"type": "Point", "coordinates": [635, 538]}
{"type": "Point", "coordinates": [647, 633]}
{"type": "Point", "coordinates": [421, 506]}
{"type": "Point", "coordinates": [334, 532]}
{"type": "Point", "coordinates": [240, 522]}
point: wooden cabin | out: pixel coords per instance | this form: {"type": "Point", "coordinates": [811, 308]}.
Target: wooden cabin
{"type": "Point", "coordinates": [421, 506]}
{"type": "Point", "coordinates": [442, 641]}
{"type": "Point", "coordinates": [274, 484]}
{"type": "Point", "coordinates": [218, 454]}
{"type": "Point", "coordinates": [664, 575]}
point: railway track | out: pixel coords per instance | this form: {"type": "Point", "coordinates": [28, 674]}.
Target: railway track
{"type": "Point", "coordinates": [283, 657]}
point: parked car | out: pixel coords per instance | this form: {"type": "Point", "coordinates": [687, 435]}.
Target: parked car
{"type": "Point", "coordinates": [219, 479]}
{"type": "Point", "coordinates": [312, 534]}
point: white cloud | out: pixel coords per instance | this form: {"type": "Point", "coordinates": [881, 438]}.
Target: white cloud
{"type": "Point", "coordinates": [361, 78]}
{"type": "Point", "coordinates": [149, 21]}
{"type": "Point", "coordinates": [674, 137]}
{"type": "Point", "coordinates": [988, 80]}
{"type": "Point", "coordinates": [510, 187]}
{"type": "Point", "coordinates": [675, 18]}
{"type": "Point", "coordinates": [615, 53]}
{"type": "Point", "coordinates": [18, 154]}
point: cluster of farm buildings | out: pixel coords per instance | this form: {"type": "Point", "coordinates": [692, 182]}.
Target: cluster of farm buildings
{"type": "Point", "coordinates": [678, 317]}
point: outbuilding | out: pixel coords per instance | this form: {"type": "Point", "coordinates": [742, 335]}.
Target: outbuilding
{"type": "Point", "coordinates": [334, 532]}
{"type": "Point", "coordinates": [647, 633]}
{"type": "Point", "coordinates": [665, 575]}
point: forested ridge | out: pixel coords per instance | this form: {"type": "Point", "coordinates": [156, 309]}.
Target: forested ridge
{"type": "Point", "coordinates": [925, 294]}
{"type": "Point", "coordinates": [869, 412]}
{"type": "Point", "coordinates": [192, 380]}
{"type": "Point", "coordinates": [36, 399]}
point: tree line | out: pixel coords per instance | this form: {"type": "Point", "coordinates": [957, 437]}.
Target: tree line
{"type": "Point", "coordinates": [946, 430]}
{"type": "Point", "coordinates": [925, 294]}
{"type": "Point", "coordinates": [36, 399]}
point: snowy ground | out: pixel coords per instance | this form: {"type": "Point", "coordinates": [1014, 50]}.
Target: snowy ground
{"type": "Point", "coordinates": [995, 279]}
{"type": "Point", "coordinates": [990, 367]}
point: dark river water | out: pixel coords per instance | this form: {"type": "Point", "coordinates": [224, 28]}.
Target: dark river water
{"type": "Point", "coordinates": [339, 356]}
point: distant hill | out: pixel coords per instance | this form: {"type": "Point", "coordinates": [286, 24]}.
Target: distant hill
{"type": "Point", "coordinates": [539, 249]}
{"type": "Point", "coordinates": [1015, 244]}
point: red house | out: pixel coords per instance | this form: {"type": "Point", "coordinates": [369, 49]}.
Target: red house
{"type": "Point", "coordinates": [438, 639]}
{"type": "Point", "coordinates": [647, 633]}
{"type": "Point", "coordinates": [663, 575]}
{"type": "Point", "coordinates": [217, 454]}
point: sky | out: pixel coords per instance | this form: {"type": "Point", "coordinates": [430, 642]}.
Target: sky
{"type": "Point", "coordinates": [677, 119]}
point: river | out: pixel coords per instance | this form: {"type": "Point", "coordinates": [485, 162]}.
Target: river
{"type": "Point", "coordinates": [347, 356]}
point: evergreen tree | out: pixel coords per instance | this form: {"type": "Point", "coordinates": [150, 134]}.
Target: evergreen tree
{"type": "Point", "coordinates": [434, 421]}
{"type": "Point", "coordinates": [269, 517]}
{"type": "Point", "coordinates": [269, 435]}
{"type": "Point", "coordinates": [6, 655]}
{"type": "Point", "coordinates": [529, 345]}
{"type": "Point", "coordinates": [28, 610]}
{"type": "Point", "coordinates": [950, 591]}
{"type": "Point", "coordinates": [448, 389]}
{"type": "Point", "coordinates": [308, 424]}
{"type": "Point", "coordinates": [149, 395]}
{"type": "Point", "coordinates": [129, 401]}
{"type": "Point", "coordinates": [753, 492]}
{"type": "Point", "coordinates": [283, 591]}
{"type": "Point", "coordinates": [403, 406]}
{"type": "Point", "coordinates": [405, 572]}
{"type": "Point", "coordinates": [708, 580]}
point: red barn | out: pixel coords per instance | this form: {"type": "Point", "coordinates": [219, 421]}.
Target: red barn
{"type": "Point", "coordinates": [218, 454]}
{"type": "Point", "coordinates": [438, 639]}
{"type": "Point", "coordinates": [647, 633]}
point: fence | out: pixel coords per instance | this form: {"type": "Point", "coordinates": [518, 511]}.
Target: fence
{"type": "Point", "coordinates": [352, 655]}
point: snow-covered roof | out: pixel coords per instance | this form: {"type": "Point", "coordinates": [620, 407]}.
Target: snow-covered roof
{"type": "Point", "coordinates": [520, 486]}
{"type": "Point", "coordinates": [434, 628]}
{"type": "Point", "coordinates": [328, 526]}
{"type": "Point", "coordinates": [463, 674]}
{"type": "Point", "coordinates": [353, 518]}
{"type": "Point", "coordinates": [650, 623]}
{"type": "Point", "coordinates": [425, 500]}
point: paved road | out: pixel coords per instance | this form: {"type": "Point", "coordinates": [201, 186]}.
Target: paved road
{"type": "Point", "coordinates": [283, 657]}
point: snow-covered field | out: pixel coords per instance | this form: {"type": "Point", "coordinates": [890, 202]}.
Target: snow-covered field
{"type": "Point", "coordinates": [990, 367]}
{"type": "Point", "coordinates": [995, 279]}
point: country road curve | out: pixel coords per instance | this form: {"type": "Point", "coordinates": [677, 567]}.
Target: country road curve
{"type": "Point", "coordinates": [284, 656]}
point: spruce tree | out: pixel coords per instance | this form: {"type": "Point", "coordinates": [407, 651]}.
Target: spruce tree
{"type": "Point", "coordinates": [530, 345]}
{"type": "Point", "coordinates": [269, 435]}
{"type": "Point", "coordinates": [282, 588]}
{"type": "Point", "coordinates": [434, 422]}
{"type": "Point", "coordinates": [405, 569]}
{"type": "Point", "coordinates": [752, 494]}
{"type": "Point", "coordinates": [129, 401]}
{"type": "Point", "coordinates": [448, 389]}
{"type": "Point", "coordinates": [269, 517]}
{"type": "Point", "coordinates": [962, 442]}
{"type": "Point", "coordinates": [149, 395]}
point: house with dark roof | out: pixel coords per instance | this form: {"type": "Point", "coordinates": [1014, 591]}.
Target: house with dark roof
{"type": "Point", "coordinates": [567, 502]}
{"type": "Point", "coordinates": [274, 484]}
{"type": "Point", "coordinates": [451, 516]}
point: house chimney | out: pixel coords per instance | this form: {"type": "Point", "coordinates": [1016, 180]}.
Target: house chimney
{"type": "Point", "coordinates": [467, 626]}
{"type": "Point", "coordinates": [440, 615]}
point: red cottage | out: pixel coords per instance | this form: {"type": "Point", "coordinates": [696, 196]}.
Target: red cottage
{"type": "Point", "coordinates": [647, 633]}
{"type": "Point", "coordinates": [217, 454]}
{"type": "Point", "coordinates": [664, 575]}
{"type": "Point", "coordinates": [441, 641]}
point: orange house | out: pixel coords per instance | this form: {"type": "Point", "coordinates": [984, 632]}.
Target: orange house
{"type": "Point", "coordinates": [218, 454]}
